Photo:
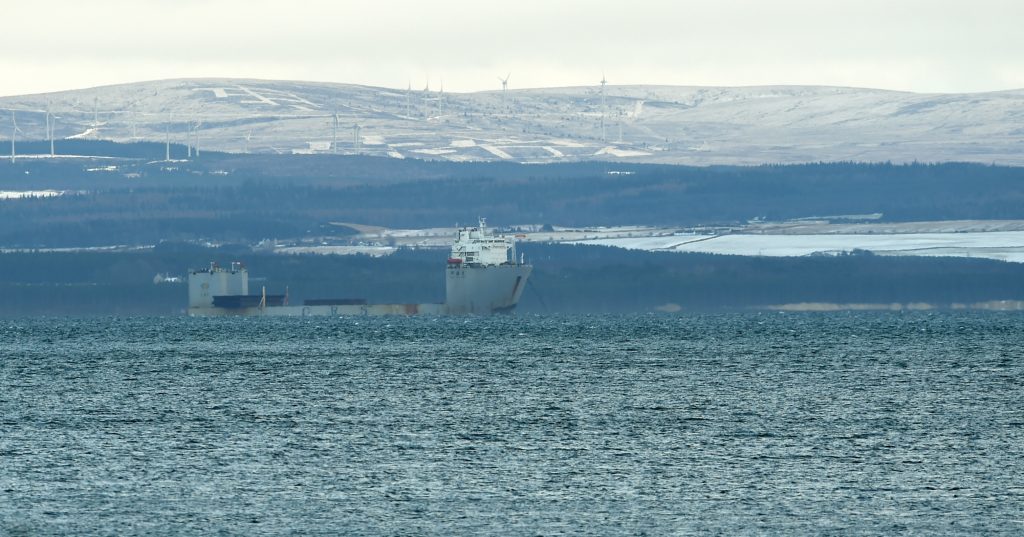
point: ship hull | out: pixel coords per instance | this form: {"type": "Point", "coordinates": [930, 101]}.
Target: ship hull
{"type": "Point", "coordinates": [469, 291]}
{"type": "Point", "coordinates": [366, 310]}
{"type": "Point", "coordinates": [484, 290]}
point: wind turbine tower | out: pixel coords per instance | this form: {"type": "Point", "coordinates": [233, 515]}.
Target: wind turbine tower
{"type": "Point", "coordinates": [14, 134]}
{"type": "Point", "coordinates": [192, 134]}
{"type": "Point", "coordinates": [51, 123]}
{"type": "Point", "coordinates": [134, 118]}
{"type": "Point", "coordinates": [199, 123]}
{"type": "Point", "coordinates": [426, 100]}
{"type": "Point", "coordinates": [334, 132]}
{"type": "Point", "coordinates": [504, 87]}
{"type": "Point", "coordinates": [355, 137]}
{"type": "Point", "coordinates": [440, 101]}
{"type": "Point", "coordinates": [167, 137]}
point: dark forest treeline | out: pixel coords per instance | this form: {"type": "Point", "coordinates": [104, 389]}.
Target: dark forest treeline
{"type": "Point", "coordinates": [587, 279]}
{"type": "Point", "coordinates": [289, 197]}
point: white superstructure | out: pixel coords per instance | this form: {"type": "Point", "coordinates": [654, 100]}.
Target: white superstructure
{"type": "Point", "coordinates": [206, 283]}
{"type": "Point", "coordinates": [476, 246]}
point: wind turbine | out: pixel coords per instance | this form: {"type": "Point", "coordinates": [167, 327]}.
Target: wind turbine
{"type": "Point", "coordinates": [334, 132]}
{"type": "Point", "coordinates": [504, 86]}
{"type": "Point", "coordinates": [51, 124]}
{"type": "Point", "coordinates": [426, 99]}
{"type": "Point", "coordinates": [355, 135]}
{"type": "Point", "coordinates": [440, 100]}
{"type": "Point", "coordinates": [167, 137]}
{"type": "Point", "coordinates": [199, 123]}
{"type": "Point", "coordinates": [248, 136]}
{"type": "Point", "coordinates": [14, 134]}
{"type": "Point", "coordinates": [134, 113]}
{"type": "Point", "coordinates": [192, 133]}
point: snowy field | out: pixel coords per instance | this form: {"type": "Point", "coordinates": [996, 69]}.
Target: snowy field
{"type": "Point", "coordinates": [18, 194]}
{"type": "Point", "coordinates": [1004, 246]}
{"type": "Point", "coordinates": [990, 239]}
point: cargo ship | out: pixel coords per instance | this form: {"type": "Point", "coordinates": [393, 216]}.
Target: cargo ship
{"type": "Point", "coordinates": [483, 276]}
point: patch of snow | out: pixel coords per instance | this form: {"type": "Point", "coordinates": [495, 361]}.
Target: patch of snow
{"type": "Point", "coordinates": [461, 158]}
{"type": "Point", "coordinates": [621, 153]}
{"type": "Point", "coordinates": [1001, 245]}
{"type": "Point", "coordinates": [88, 132]}
{"type": "Point", "coordinates": [463, 143]}
{"type": "Point", "coordinates": [19, 194]}
{"type": "Point", "coordinates": [434, 151]}
{"type": "Point", "coordinates": [638, 108]}
{"type": "Point", "coordinates": [219, 93]}
{"type": "Point", "coordinates": [259, 98]}
{"type": "Point", "coordinates": [59, 156]}
{"type": "Point", "coordinates": [495, 151]}
{"type": "Point", "coordinates": [554, 152]}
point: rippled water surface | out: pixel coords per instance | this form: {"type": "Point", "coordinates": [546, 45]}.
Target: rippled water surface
{"type": "Point", "coordinates": [838, 423]}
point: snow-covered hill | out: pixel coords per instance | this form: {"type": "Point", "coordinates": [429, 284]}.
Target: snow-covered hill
{"type": "Point", "coordinates": [682, 125]}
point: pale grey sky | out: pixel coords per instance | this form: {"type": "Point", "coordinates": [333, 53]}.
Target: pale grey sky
{"type": "Point", "coordinates": [916, 45]}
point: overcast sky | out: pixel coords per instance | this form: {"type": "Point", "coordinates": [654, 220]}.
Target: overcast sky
{"type": "Point", "coordinates": [916, 45]}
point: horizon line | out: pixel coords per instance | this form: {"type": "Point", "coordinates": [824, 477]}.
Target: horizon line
{"type": "Point", "coordinates": [532, 88]}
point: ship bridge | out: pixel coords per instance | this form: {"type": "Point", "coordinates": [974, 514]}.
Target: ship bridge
{"type": "Point", "coordinates": [476, 246]}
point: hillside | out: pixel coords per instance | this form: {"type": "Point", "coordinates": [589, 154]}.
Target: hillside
{"type": "Point", "coordinates": [659, 124]}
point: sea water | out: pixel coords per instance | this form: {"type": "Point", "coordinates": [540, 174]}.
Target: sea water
{"type": "Point", "coordinates": [605, 425]}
